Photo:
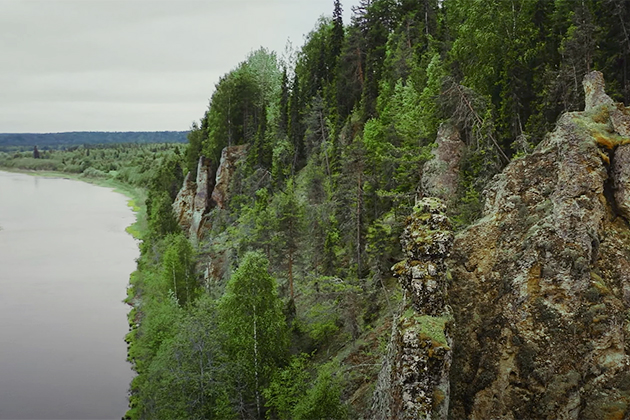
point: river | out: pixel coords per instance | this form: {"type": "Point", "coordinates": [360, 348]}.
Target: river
{"type": "Point", "coordinates": [65, 261]}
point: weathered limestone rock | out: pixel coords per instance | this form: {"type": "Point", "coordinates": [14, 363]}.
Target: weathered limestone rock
{"type": "Point", "coordinates": [540, 286]}
{"type": "Point", "coordinates": [414, 380]}
{"type": "Point", "coordinates": [440, 175]}
{"type": "Point", "coordinates": [621, 176]}
{"type": "Point", "coordinates": [595, 94]}
{"type": "Point", "coordinates": [613, 133]}
{"type": "Point", "coordinates": [426, 242]}
{"type": "Point", "coordinates": [201, 202]}
{"type": "Point", "coordinates": [183, 204]}
{"type": "Point", "coordinates": [193, 200]}
{"type": "Point", "coordinates": [229, 156]}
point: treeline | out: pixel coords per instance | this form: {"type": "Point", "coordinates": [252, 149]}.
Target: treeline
{"type": "Point", "coordinates": [24, 141]}
{"type": "Point", "coordinates": [282, 308]}
{"type": "Point", "coordinates": [132, 164]}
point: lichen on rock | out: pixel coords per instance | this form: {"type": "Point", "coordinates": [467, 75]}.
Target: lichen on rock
{"type": "Point", "coordinates": [414, 381]}
{"type": "Point", "coordinates": [440, 175]}
{"type": "Point", "coordinates": [229, 156]}
{"type": "Point", "coordinates": [539, 284]}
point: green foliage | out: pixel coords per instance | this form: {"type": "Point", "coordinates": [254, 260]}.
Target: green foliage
{"type": "Point", "coordinates": [289, 213]}
{"type": "Point", "coordinates": [182, 378]}
{"type": "Point", "coordinates": [178, 268]}
{"type": "Point", "coordinates": [237, 107]}
{"type": "Point", "coordinates": [323, 399]}
{"type": "Point", "coordinates": [250, 316]}
{"type": "Point", "coordinates": [337, 139]}
{"type": "Point", "coordinates": [287, 387]}
{"type": "Point", "coordinates": [383, 241]}
{"type": "Point", "coordinates": [161, 218]}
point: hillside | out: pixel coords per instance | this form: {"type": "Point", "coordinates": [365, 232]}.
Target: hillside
{"type": "Point", "coordinates": [421, 214]}
{"type": "Point", "coordinates": [384, 227]}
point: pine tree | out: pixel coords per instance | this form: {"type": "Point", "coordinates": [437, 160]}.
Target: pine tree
{"type": "Point", "coordinates": [289, 213]}
{"type": "Point", "coordinates": [296, 130]}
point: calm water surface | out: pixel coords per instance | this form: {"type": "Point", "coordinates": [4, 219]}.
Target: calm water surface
{"type": "Point", "coordinates": [65, 261]}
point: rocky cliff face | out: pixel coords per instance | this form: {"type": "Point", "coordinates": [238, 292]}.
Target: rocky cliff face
{"type": "Point", "coordinates": [193, 200]}
{"type": "Point", "coordinates": [183, 204]}
{"type": "Point", "coordinates": [540, 286]}
{"type": "Point", "coordinates": [229, 157]}
{"type": "Point", "coordinates": [414, 381]}
{"type": "Point", "coordinates": [440, 175]}
{"type": "Point", "coordinates": [210, 190]}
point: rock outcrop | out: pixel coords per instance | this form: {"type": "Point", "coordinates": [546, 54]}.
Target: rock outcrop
{"type": "Point", "coordinates": [201, 202]}
{"type": "Point", "coordinates": [540, 286]}
{"type": "Point", "coordinates": [440, 175]}
{"type": "Point", "coordinates": [414, 381]}
{"type": "Point", "coordinates": [183, 204]}
{"type": "Point", "coordinates": [193, 200]}
{"type": "Point", "coordinates": [211, 189]}
{"type": "Point", "coordinates": [229, 156]}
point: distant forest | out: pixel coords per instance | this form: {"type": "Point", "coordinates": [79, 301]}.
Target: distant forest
{"type": "Point", "coordinates": [17, 141]}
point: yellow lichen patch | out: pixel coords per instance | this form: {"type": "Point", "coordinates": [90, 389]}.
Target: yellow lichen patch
{"type": "Point", "coordinates": [599, 284]}
{"type": "Point", "coordinates": [601, 116]}
{"type": "Point", "coordinates": [399, 268]}
{"type": "Point", "coordinates": [438, 398]}
{"type": "Point", "coordinates": [616, 410]}
{"type": "Point", "coordinates": [605, 141]}
{"type": "Point", "coordinates": [533, 280]}
{"type": "Point", "coordinates": [604, 157]}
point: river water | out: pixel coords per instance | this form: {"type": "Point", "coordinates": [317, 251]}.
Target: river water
{"type": "Point", "coordinates": [65, 261]}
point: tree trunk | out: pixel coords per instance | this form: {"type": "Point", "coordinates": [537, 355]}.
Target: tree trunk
{"type": "Point", "coordinates": [291, 272]}
{"type": "Point", "coordinates": [256, 364]}
{"type": "Point", "coordinates": [359, 205]}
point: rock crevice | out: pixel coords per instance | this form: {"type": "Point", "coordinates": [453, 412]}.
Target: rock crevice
{"type": "Point", "coordinates": [414, 382]}
{"type": "Point", "coordinates": [541, 283]}
{"type": "Point", "coordinates": [211, 190]}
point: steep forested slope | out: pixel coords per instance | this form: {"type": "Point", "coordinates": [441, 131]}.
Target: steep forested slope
{"type": "Point", "coordinates": [279, 303]}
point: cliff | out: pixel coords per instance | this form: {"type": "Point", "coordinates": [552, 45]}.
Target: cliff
{"type": "Point", "coordinates": [540, 286]}
{"type": "Point", "coordinates": [210, 190]}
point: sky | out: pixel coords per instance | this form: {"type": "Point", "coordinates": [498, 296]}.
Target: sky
{"type": "Point", "coordinates": [133, 65]}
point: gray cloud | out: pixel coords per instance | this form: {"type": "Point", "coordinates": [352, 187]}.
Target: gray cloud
{"type": "Point", "coordinates": [133, 64]}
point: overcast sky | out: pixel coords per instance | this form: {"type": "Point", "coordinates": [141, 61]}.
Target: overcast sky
{"type": "Point", "coordinates": [133, 65]}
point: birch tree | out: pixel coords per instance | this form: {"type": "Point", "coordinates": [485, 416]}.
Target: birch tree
{"type": "Point", "coordinates": [255, 328]}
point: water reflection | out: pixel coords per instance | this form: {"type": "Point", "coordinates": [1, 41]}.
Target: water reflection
{"type": "Point", "coordinates": [65, 261]}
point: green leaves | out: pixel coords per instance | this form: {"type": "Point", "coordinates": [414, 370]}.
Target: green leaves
{"type": "Point", "coordinates": [288, 386]}
{"type": "Point", "coordinates": [250, 316]}
{"type": "Point", "coordinates": [323, 399]}
{"type": "Point", "coordinates": [178, 269]}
